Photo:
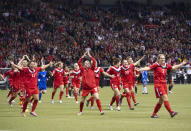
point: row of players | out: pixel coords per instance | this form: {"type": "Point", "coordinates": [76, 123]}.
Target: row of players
{"type": "Point", "coordinates": [89, 74]}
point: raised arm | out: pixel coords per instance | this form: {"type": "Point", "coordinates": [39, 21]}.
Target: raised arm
{"type": "Point", "coordinates": [17, 66]}
{"type": "Point", "coordinates": [2, 76]}
{"type": "Point", "coordinates": [179, 65]}
{"type": "Point", "coordinates": [21, 60]}
{"type": "Point", "coordinates": [143, 69]}
{"type": "Point", "coordinates": [137, 62]}
{"type": "Point", "coordinates": [108, 75]}
{"type": "Point", "coordinates": [80, 60]}
{"type": "Point", "coordinates": [45, 66]}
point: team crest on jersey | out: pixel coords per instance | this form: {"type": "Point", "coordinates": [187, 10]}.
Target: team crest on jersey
{"type": "Point", "coordinates": [98, 69]}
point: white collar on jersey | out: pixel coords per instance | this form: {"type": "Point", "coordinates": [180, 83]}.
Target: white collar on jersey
{"type": "Point", "coordinates": [165, 65]}
{"type": "Point", "coordinates": [97, 70]}
{"type": "Point", "coordinates": [76, 72]}
{"type": "Point", "coordinates": [31, 71]}
{"type": "Point", "coordinates": [59, 70]}
{"type": "Point", "coordinates": [125, 68]}
{"type": "Point", "coordinates": [113, 67]}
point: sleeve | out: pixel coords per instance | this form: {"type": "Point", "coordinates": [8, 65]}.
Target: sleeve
{"type": "Point", "coordinates": [101, 70]}
{"type": "Point", "coordinates": [6, 74]}
{"type": "Point", "coordinates": [153, 66]}
{"type": "Point", "coordinates": [80, 63]}
{"type": "Point", "coordinates": [109, 70]}
{"type": "Point", "coordinates": [169, 67]}
{"type": "Point", "coordinates": [93, 64]}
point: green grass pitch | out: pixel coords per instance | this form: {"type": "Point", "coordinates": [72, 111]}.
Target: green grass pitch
{"type": "Point", "coordinates": [63, 117]}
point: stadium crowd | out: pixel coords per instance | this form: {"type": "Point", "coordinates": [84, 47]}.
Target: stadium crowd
{"type": "Point", "coordinates": [62, 32]}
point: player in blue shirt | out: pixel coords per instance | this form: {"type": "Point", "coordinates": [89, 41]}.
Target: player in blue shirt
{"type": "Point", "coordinates": [42, 79]}
{"type": "Point", "coordinates": [144, 79]}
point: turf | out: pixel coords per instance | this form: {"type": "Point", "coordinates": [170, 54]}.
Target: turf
{"type": "Point", "coordinates": [63, 117]}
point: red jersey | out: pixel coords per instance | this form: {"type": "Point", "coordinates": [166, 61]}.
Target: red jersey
{"type": "Point", "coordinates": [31, 77]}
{"type": "Point", "coordinates": [58, 75]}
{"type": "Point", "coordinates": [160, 72]}
{"type": "Point", "coordinates": [16, 79]}
{"type": "Point", "coordinates": [66, 78]}
{"type": "Point", "coordinates": [98, 71]}
{"type": "Point", "coordinates": [77, 75]}
{"type": "Point", "coordinates": [113, 70]}
{"type": "Point", "coordinates": [88, 76]}
{"type": "Point", "coordinates": [127, 73]}
{"type": "Point", "coordinates": [9, 73]}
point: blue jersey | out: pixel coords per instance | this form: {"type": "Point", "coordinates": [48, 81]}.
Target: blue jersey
{"type": "Point", "coordinates": [144, 77]}
{"type": "Point", "coordinates": [42, 78]}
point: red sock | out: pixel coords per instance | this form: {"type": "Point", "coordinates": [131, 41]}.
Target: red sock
{"type": "Point", "coordinates": [117, 100]}
{"type": "Point", "coordinates": [167, 106]}
{"type": "Point", "coordinates": [81, 106]}
{"type": "Point", "coordinates": [157, 108]}
{"type": "Point", "coordinates": [25, 106]}
{"type": "Point", "coordinates": [53, 93]}
{"type": "Point", "coordinates": [76, 96]}
{"type": "Point", "coordinates": [34, 105]}
{"type": "Point", "coordinates": [9, 93]}
{"type": "Point", "coordinates": [12, 98]}
{"type": "Point", "coordinates": [92, 101]}
{"type": "Point", "coordinates": [99, 104]}
{"type": "Point", "coordinates": [61, 94]}
{"type": "Point", "coordinates": [31, 100]}
{"type": "Point", "coordinates": [66, 91]}
{"type": "Point", "coordinates": [133, 97]}
{"type": "Point", "coordinates": [112, 100]}
{"type": "Point", "coordinates": [129, 99]}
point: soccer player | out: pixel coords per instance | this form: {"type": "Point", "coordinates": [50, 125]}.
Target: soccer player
{"type": "Point", "coordinates": [42, 80]}
{"type": "Point", "coordinates": [88, 81]}
{"type": "Point", "coordinates": [75, 75]}
{"type": "Point", "coordinates": [31, 88]}
{"type": "Point", "coordinates": [97, 71]}
{"type": "Point", "coordinates": [66, 80]}
{"type": "Point", "coordinates": [137, 76]}
{"type": "Point", "coordinates": [160, 69]}
{"type": "Point", "coordinates": [58, 82]}
{"type": "Point", "coordinates": [115, 82]}
{"type": "Point", "coordinates": [144, 80]}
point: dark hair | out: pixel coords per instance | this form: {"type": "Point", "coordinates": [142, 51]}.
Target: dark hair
{"type": "Point", "coordinates": [116, 61]}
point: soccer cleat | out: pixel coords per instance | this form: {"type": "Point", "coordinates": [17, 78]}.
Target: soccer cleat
{"type": "Point", "coordinates": [87, 103]}
{"type": "Point", "coordinates": [173, 114]}
{"type": "Point", "coordinates": [169, 92]}
{"type": "Point", "coordinates": [77, 102]}
{"type": "Point", "coordinates": [92, 108]}
{"type": "Point", "coordinates": [39, 101]}
{"type": "Point", "coordinates": [33, 114]}
{"type": "Point", "coordinates": [111, 108]}
{"type": "Point", "coordinates": [136, 103]}
{"type": "Point", "coordinates": [118, 108]}
{"type": "Point", "coordinates": [10, 104]}
{"type": "Point", "coordinates": [102, 113]}
{"type": "Point", "coordinates": [23, 114]}
{"type": "Point", "coordinates": [79, 113]}
{"type": "Point", "coordinates": [60, 101]}
{"type": "Point", "coordinates": [155, 116]}
{"type": "Point", "coordinates": [52, 101]}
{"type": "Point", "coordinates": [131, 108]}
{"type": "Point", "coordinates": [13, 101]}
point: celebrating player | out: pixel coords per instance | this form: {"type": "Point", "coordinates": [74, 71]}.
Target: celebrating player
{"type": "Point", "coordinates": [88, 81]}
{"type": "Point", "coordinates": [115, 82]}
{"type": "Point", "coordinates": [75, 75]}
{"type": "Point", "coordinates": [160, 69]}
{"type": "Point", "coordinates": [31, 88]}
{"type": "Point", "coordinates": [66, 80]}
{"type": "Point", "coordinates": [144, 80]}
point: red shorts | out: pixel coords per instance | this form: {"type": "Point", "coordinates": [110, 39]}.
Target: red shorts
{"type": "Point", "coordinates": [76, 84]}
{"type": "Point", "coordinates": [57, 85]}
{"type": "Point", "coordinates": [160, 90]}
{"type": "Point", "coordinates": [66, 83]}
{"type": "Point", "coordinates": [30, 92]}
{"type": "Point", "coordinates": [92, 91]}
{"type": "Point", "coordinates": [127, 85]}
{"type": "Point", "coordinates": [113, 86]}
{"type": "Point", "coordinates": [15, 88]}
